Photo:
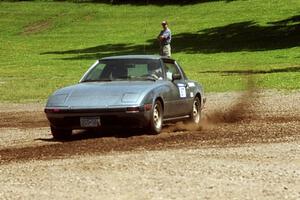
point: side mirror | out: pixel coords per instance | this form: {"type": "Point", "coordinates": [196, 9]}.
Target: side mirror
{"type": "Point", "coordinates": [176, 77]}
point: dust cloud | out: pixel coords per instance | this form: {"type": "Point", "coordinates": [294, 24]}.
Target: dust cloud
{"type": "Point", "coordinates": [241, 109]}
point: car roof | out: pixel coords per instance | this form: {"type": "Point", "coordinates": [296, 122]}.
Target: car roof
{"type": "Point", "coordinates": [152, 57]}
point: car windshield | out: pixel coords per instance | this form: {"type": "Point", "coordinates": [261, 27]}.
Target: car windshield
{"type": "Point", "coordinates": [125, 69]}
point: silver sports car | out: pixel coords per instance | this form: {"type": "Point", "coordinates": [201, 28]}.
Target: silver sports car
{"type": "Point", "coordinates": [138, 91]}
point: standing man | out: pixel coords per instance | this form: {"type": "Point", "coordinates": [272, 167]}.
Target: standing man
{"type": "Point", "coordinates": [164, 39]}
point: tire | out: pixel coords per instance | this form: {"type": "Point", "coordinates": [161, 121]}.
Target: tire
{"type": "Point", "coordinates": [156, 118]}
{"type": "Point", "coordinates": [195, 116]}
{"type": "Point", "coordinates": [61, 134]}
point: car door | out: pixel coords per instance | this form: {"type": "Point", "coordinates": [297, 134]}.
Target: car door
{"type": "Point", "coordinates": [190, 90]}
{"type": "Point", "coordinates": [177, 98]}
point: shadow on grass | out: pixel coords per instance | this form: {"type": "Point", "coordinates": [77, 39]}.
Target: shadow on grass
{"type": "Point", "coordinates": [242, 36]}
{"type": "Point", "coordinates": [152, 2]}
{"type": "Point", "coordinates": [251, 72]}
{"type": "Point", "coordinates": [107, 50]}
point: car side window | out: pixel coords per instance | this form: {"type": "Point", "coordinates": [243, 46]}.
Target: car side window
{"type": "Point", "coordinates": [183, 74]}
{"type": "Point", "coordinates": [170, 69]}
{"type": "Point", "coordinates": [96, 72]}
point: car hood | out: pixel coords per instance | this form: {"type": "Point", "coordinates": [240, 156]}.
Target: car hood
{"type": "Point", "coordinates": [101, 94]}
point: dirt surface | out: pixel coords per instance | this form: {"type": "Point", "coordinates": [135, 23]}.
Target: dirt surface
{"type": "Point", "coordinates": [37, 27]}
{"type": "Point", "coordinates": [248, 147]}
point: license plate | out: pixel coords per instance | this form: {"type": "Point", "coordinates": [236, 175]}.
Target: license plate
{"type": "Point", "coordinates": [89, 122]}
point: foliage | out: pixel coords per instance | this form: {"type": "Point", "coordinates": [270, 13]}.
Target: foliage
{"type": "Point", "coordinates": [132, 2]}
{"type": "Point", "coordinates": [47, 45]}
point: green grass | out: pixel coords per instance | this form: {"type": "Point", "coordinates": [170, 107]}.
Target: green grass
{"type": "Point", "coordinates": [48, 45]}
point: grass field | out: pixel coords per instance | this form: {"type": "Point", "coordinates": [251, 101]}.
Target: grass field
{"type": "Point", "coordinates": [47, 45]}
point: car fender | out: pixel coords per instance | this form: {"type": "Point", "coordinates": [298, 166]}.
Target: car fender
{"type": "Point", "coordinates": [153, 94]}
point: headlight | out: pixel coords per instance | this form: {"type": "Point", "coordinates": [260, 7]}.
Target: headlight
{"type": "Point", "coordinates": [130, 97]}
{"type": "Point", "coordinates": [57, 100]}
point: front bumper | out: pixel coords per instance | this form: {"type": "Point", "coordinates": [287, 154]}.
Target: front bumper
{"type": "Point", "coordinates": [115, 118]}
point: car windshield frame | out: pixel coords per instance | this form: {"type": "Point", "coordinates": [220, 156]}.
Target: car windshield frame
{"type": "Point", "coordinates": [129, 69]}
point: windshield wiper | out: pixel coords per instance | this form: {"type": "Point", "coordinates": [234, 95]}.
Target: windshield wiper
{"type": "Point", "coordinates": [99, 80]}
{"type": "Point", "coordinates": [145, 77]}
{"type": "Point", "coordinates": [150, 77]}
{"type": "Point", "coordinates": [123, 77]}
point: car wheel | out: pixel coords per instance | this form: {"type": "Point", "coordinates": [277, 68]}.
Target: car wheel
{"type": "Point", "coordinates": [156, 118]}
{"type": "Point", "coordinates": [61, 134]}
{"type": "Point", "coordinates": [195, 116]}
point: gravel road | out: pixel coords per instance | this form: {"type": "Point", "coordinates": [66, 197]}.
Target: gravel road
{"type": "Point", "coordinates": [248, 147]}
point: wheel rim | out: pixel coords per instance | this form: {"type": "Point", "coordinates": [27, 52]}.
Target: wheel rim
{"type": "Point", "coordinates": [196, 113]}
{"type": "Point", "coordinates": [157, 116]}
